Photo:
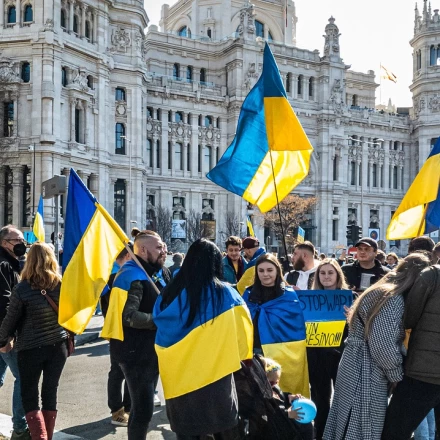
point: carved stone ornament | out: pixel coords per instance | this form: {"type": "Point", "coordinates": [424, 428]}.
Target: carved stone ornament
{"type": "Point", "coordinates": [80, 80]}
{"type": "Point", "coordinates": [247, 19]}
{"type": "Point", "coordinates": [49, 25]}
{"type": "Point", "coordinates": [121, 108]}
{"type": "Point", "coordinates": [121, 40]}
{"type": "Point", "coordinates": [434, 103]}
{"type": "Point", "coordinates": [8, 72]}
{"type": "Point", "coordinates": [337, 98]}
{"type": "Point", "coordinates": [419, 105]}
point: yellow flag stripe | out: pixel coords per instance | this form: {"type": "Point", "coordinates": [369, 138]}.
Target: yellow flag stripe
{"type": "Point", "coordinates": [38, 228]}
{"type": "Point", "coordinates": [113, 328]}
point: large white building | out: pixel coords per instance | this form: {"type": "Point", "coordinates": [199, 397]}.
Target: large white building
{"type": "Point", "coordinates": [143, 113]}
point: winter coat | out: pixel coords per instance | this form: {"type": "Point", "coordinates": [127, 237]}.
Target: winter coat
{"type": "Point", "coordinates": [353, 274]}
{"type": "Point", "coordinates": [9, 277]}
{"type": "Point", "coordinates": [229, 274]}
{"type": "Point", "coordinates": [367, 366]}
{"type": "Point", "coordinates": [31, 315]}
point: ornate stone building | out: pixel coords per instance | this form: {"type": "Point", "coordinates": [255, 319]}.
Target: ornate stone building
{"type": "Point", "coordinates": [143, 113]}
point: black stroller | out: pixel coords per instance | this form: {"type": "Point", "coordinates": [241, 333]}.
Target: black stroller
{"type": "Point", "coordinates": [260, 416]}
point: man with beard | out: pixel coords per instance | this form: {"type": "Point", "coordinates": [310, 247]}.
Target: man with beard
{"type": "Point", "coordinates": [12, 248]}
{"type": "Point", "coordinates": [304, 266]}
{"type": "Point", "coordinates": [136, 353]}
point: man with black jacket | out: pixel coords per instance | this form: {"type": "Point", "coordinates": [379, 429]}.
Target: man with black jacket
{"type": "Point", "coordinates": [366, 270]}
{"type": "Point", "coordinates": [11, 248]}
{"type": "Point", "coordinates": [136, 353]}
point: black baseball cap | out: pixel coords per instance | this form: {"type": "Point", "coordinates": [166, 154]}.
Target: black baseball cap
{"type": "Point", "coordinates": [368, 242]}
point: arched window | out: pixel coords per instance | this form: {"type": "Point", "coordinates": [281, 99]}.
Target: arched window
{"type": "Point", "coordinates": [75, 24]}
{"type": "Point", "coordinates": [26, 72]}
{"type": "Point", "coordinates": [178, 117]}
{"type": "Point", "coordinates": [259, 29]}
{"type": "Point", "coordinates": [120, 202]}
{"type": "Point", "coordinates": [311, 86]}
{"type": "Point", "coordinates": [178, 157]}
{"type": "Point", "coordinates": [203, 75]}
{"type": "Point", "coordinates": [87, 30]}
{"type": "Point", "coordinates": [288, 82]}
{"type": "Point", "coordinates": [208, 121]}
{"type": "Point", "coordinates": [63, 19]}
{"type": "Point", "coordinates": [300, 85]}
{"type": "Point", "coordinates": [63, 76]}
{"type": "Point", "coordinates": [176, 71]}
{"type": "Point", "coordinates": [183, 31]}
{"type": "Point", "coordinates": [433, 56]}
{"type": "Point", "coordinates": [119, 139]}
{"type": "Point", "coordinates": [28, 14]}
{"type": "Point", "coordinates": [119, 94]}
{"type": "Point", "coordinates": [189, 73]}
{"type": "Point", "coordinates": [12, 16]}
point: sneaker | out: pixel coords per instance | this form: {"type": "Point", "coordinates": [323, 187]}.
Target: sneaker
{"type": "Point", "coordinates": [157, 401]}
{"type": "Point", "coordinates": [21, 435]}
{"type": "Point", "coordinates": [120, 418]}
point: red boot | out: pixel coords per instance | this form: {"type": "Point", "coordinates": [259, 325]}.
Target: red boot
{"type": "Point", "coordinates": [37, 426]}
{"type": "Point", "coordinates": [49, 419]}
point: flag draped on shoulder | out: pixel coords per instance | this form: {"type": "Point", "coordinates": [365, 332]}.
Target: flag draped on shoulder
{"type": "Point", "coordinates": [92, 241]}
{"type": "Point", "coordinates": [282, 331]}
{"type": "Point", "coordinates": [248, 277]}
{"type": "Point", "coordinates": [419, 210]}
{"type": "Point", "coordinates": [192, 357]}
{"type": "Point", "coordinates": [269, 144]}
{"type": "Point", "coordinates": [387, 74]}
{"type": "Point", "coordinates": [38, 228]}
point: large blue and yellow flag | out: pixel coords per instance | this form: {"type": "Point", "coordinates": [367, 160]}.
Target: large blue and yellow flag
{"type": "Point", "coordinates": [419, 210]}
{"type": "Point", "coordinates": [283, 338]}
{"type": "Point", "coordinates": [269, 143]}
{"type": "Point", "coordinates": [209, 349]}
{"type": "Point", "coordinates": [38, 228]}
{"type": "Point", "coordinates": [92, 241]}
{"type": "Point", "coordinates": [129, 272]}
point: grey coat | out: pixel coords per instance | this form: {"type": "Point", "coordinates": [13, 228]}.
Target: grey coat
{"type": "Point", "coordinates": [367, 366]}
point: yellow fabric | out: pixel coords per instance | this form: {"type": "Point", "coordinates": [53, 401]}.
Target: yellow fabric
{"type": "Point", "coordinates": [284, 131]}
{"type": "Point", "coordinates": [113, 328]}
{"type": "Point", "coordinates": [251, 228]}
{"type": "Point", "coordinates": [246, 280]}
{"type": "Point", "coordinates": [409, 219]}
{"type": "Point", "coordinates": [324, 334]}
{"type": "Point", "coordinates": [88, 271]}
{"type": "Point", "coordinates": [290, 168]}
{"type": "Point", "coordinates": [292, 356]}
{"type": "Point", "coordinates": [38, 228]}
{"type": "Point", "coordinates": [207, 353]}
{"type": "Point", "coordinates": [235, 264]}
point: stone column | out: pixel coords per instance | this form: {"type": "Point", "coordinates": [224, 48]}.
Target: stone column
{"type": "Point", "coordinates": [164, 144]}
{"type": "Point", "coordinates": [83, 21]}
{"type": "Point", "coordinates": [94, 184]}
{"type": "Point", "coordinates": [154, 153]}
{"type": "Point", "coordinates": [72, 119]}
{"type": "Point", "coordinates": [18, 12]}
{"type": "Point", "coordinates": [17, 195]}
{"type": "Point", "coordinates": [399, 177]}
{"type": "Point", "coordinates": [66, 172]}
{"type": "Point", "coordinates": [386, 171]}
{"type": "Point", "coordinates": [2, 19]}
{"type": "Point", "coordinates": [71, 14]}
{"type": "Point", "coordinates": [194, 145]}
{"type": "Point", "coordinates": [95, 26]}
{"type": "Point", "coordinates": [185, 156]}
{"type": "Point", "coordinates": [14, 97]}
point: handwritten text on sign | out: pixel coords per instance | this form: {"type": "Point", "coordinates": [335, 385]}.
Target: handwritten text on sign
{"type": "Point", "coordinates": [324, 315]}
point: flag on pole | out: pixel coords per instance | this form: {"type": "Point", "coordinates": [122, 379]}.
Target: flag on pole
{"type": "Point", "coordinates": [250, 228]}
{"type": "Point", "coordinates": [419, 210]}
{"type": "Point", "coordinates": [270, 143]}
{"type": "Point", "coordinates": [92, 241]}
{"type": "Point", "coordinates": [38, 228]}
{"type": "Point", "coordinates": [387, 74]}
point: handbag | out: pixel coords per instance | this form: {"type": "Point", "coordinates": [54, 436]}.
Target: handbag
{"type": "Point", "coordinates": [70, 336]}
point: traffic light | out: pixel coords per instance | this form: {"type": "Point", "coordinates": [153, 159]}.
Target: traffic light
{"type": "Point", "coordinates": [359, 233]}
{"type": "Point", "coordinates": [349, 234]}
{"type": "Point", "coordinates": [355, 234]}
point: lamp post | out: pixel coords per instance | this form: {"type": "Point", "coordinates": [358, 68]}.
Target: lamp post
{"type": "Point", "coordinates": [33, 148]}
{"type": "Point", "coordinates": [267, 243]}
{"type": "Point", "coordinates": [378, 141]}
{"type": "Point", "coordinates": [129, 179]}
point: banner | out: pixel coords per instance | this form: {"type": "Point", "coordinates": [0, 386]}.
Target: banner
{"type": "Point", "coordinates": [178, 229]}
{"type": "Point", "coordinates": [324, 315]}
{"type": "Point", "coordinates": [301, 235]}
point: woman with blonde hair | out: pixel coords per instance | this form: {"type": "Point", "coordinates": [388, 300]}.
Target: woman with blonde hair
{"type": "Point", "coordinates": [41, 343]}
{"type": "Point", "coordinates": [371, 363]}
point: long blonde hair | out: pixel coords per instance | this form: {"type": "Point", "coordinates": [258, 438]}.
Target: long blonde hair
{"type": "Point", "coordinates": [340, 280]}
{"type": "Point", "coordinates": [397, 282]}
{"type": "Point", "coordinates": [41, 268]}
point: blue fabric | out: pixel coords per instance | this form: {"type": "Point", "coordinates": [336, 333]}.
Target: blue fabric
{"type": "Point", "coordinates": [3, 368]}
{"type": "Point", "coordinates": [128, 273]}
{"type": "Point", "coordinates": [228, 272]}
{"type": "Point", "coordinates": [280, 320]}
{"type": "Point", "coordinates": [253, 261]}
{"type": "Point", "coordinates": [433, 212]}
{"type": "Point", "coordinates": [426, 429]}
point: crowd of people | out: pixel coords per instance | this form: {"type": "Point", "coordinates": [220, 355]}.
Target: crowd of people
{"type": "Point", "coordinates": [236, 317]}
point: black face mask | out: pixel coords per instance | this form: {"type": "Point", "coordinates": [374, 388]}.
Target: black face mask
{"type": "Point", "coordinates": [19, 249]}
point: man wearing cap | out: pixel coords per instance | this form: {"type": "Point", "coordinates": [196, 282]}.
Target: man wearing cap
{"type": "Point", "coordinates": [252, 250]}
{"type": "Point", "coordinates": [366, 270]}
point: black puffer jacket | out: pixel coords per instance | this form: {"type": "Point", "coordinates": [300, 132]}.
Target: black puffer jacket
{"type": "Point", "coordinates": [9, 277]}
{"type": "Point", "coordinates": [30, 314]}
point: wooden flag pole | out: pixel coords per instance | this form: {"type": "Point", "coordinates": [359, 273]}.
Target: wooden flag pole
{"type": "Point", "coordinates": [423, 220]}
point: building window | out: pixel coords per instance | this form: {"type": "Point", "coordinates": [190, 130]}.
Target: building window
{"type": "Point", "coordinates": [259, 29]}
{"type": "Point", "coordinates": [209, 33]}
{"type": "Point", "coordinates": [120, 202]}
{"type": "Point", "coordinates": [170, 155]}
{"type": "Point", "coordinates": [335, 230]}
{"type": "Point", "coordinates": [90, 82]}
{"type": "Point", "coordinates": [335, 168]}
{"type": "Point", "coordinates": [184, 32]}
{"type": "Point", "coordinates": [178, 202]}
{"type": "Point", "coordinates": [188, 157]}
{"type": "Point", "coordinates": [374, 172]}
{"type": "Point", "coordinates": [189, 73]}
{"type": "Point", "coordinates": [433, 141]}
{"type": "Point", "coordinates": [176, 71]}
{"type": "Point", "coordinates": [311, 87]}
{"type": "Point", "coordinates": [288, 82]}
{"type": "Point", "coordinates": [119, 139]}
{"type": "Point", "coordinates": [419, 59]}
{"type": "Point", "coordinates": [203, 75]}
{"type": "Point", "coordinates": [75, 24]}
{"type": "Point", "coordinates": [12, 16]}
{"type": "Point", "coordinates": [119, 94]}
{"type": "Point", "coordinates": [354, 101]}
{"type": "Point", "coordinates": [8, 119]}
{"type": "Point", "coordinates": [178, 117]}
{"type": "Point", "coordinates": [63, 76]}
{"type": "Point", "coordinates": [63, 19]}
{"type": "Point", "coordinates": [178, 215]}
{"type": "Point", "coordinates": [26, 72]}
{"type": "Point", "coordinates": [28, 14]}
{"type": "Point", "coordinates": [87, 30]}
{"type": "Point", "coordinates": [300, 85]}
{"type": "Point", "coordinates": [149, 153]}
{"type": "Point", "coordinates": [158, 154]}
{"type": "Point", "coordinates": [77, 125]}
{"type": "Point", "coordinates": [208, 121]}
{"type": "Point", "coordinates": [199, 161]}
{"type": "Point", "coordinates": [269, 36]}
{"type": "Point", "coordinates": [26, 212]}
{"type": "Point", "coordinates": [207, 151]}
{"type": "Point", "coordinates": [394, 177]}
{"type": "Point", "coordinates": [8, 197]}
{"type": "Point", "coordinates": [353, 173]}
{"type": "Point", "coordinates": [178, 156]}
{"type": "Point", "coordinates": [149, 112]}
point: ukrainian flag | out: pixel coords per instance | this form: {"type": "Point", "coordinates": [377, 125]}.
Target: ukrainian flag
{"type": "Point", "coordinates": [250, 228]}
{"type": "Point", "coordinates": [270, 147]}
{"type": "Point", "coordinates": [209, 349]}
{"type": "Point", "coordinates": [248, 277]}
{"type": "Point", "coordinates": [283, 338]}
{"type": "Point", "coordinates": [129, 272]}
{"type": "Point", "coordinates": [92, 241]}
{"type": "Point", "coordinates": [38, 227]}
{"type": "Point", "coordinates": [419, 210]}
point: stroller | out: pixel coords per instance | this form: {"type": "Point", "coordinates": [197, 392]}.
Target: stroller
{"type": "Point", "coordinates": [260, 417]}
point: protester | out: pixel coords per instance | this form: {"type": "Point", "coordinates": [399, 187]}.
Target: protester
{"type": "Point", "coordinates": [304, 266]}
{"type": "Point", "coordinates": [134, 231]}
{"type": "Point", "coordinates": [177, 260]}
{"type": "Point", "coordinates": [136, 354]}
{"type": "Point", "coordinates": [192, 310]}
{"type": "Point", "coordinates": [419, 244]}
{"type": "Point", "coordinates": [419, 391]}
{"type": "Point", "coordinates": [366, 270]}
{"type": "Point", "coordinates": [381, 257]}
{"type": "Point", "coordinates": [436, 253]}
{"type": "Point", "coordinates": [372, 359]}
{"type": "Point", "coordinates": [41, 342]}
{"type": "Point", "coordinates": [12, 247]}
{"type": "Point", "coordinates": [234, 264]}
{"type": "Point", "coordinates": [392, 260]}
{"type": "Point", "coordinates": [323, 362]}
{"type": "Point", "coordinates": [252, 250]}
{"type": "Point", "coordinates": [322, 256]}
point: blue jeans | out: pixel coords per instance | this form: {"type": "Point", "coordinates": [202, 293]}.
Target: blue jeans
{"type": "Point", "coordinates": [18, 420]}
{"type": "Point", "coordinates": [3, 368]}
{"type": "Point", "coordinates": [426, 429]}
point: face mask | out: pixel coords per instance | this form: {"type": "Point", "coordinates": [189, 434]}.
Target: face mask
{"type": "Point", "coordinates": [19, 249]}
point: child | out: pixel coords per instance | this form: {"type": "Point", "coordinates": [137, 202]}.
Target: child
{"type": "Point", "coordinates": [284, 400]}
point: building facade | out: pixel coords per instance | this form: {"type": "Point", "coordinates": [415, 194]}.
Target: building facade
{"type": "Point", "coordinates": [143, 113]}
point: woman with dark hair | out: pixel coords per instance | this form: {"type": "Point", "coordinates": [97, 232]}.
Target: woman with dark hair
{"type": "Point", "coordinates": [203, 332]}
{"type": "Point", "coordinates": [371, 363]}
{"type": "Point", "coordinates": [41, 342]}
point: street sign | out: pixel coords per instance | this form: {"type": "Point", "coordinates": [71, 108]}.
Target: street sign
{"type": "Point", "coordinates": [54, 187]}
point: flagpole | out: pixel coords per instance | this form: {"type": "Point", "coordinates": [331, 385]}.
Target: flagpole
{"type": "Point", "coordinates": [380, 83]}
{"type": "Point", "coordinates": [278, 204]}
{"type": "Point", "coordinates": [423, 219]}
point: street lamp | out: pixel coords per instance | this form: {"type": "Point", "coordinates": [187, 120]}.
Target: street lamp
{"type": "Point", "coordinates": [362, 181]}
{"type": "Point", "coordinates": [129, 177]}
{"type": "Point", "coordinates": [33, 149]}
{"type": "Point", "coordinates": [267, 242]}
